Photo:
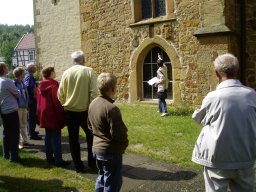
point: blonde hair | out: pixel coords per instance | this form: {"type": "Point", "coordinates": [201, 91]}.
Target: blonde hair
{"type": "Point", "coordinates": [105, 82]}
{"type": "Point", "coordinates": [17, 72]}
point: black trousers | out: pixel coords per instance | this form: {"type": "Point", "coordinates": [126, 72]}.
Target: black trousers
{"type": "Point", "coordinates": [11, 135]}
{"type": "Point", "coordinates": [74, 121]}
{"type": "Point", "coordinates": [32, 118]}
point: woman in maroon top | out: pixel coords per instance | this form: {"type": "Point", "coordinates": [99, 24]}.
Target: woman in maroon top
{"type": "Point", "coordinates": [51, 116]}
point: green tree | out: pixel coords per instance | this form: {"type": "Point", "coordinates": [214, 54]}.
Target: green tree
{"type": "Point", "coordinates": [9, 37]}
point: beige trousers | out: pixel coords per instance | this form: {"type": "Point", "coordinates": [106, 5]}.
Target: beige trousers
{"type": "Point", "coordinates": [23, 125]}
{"type": "Point", "coordinates": [238, 180]}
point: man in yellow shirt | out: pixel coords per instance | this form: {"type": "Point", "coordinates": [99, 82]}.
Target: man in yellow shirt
{"type": "Point", "coordinates": [77, 89]}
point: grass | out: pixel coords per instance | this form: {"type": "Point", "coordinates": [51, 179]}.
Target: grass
{"type": "Point", "coordinates": [34, 175]}
{"type": "Point", "coordinates": [170, 139]}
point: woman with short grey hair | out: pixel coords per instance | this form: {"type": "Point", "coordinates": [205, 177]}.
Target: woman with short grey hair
{"type": "Point", "coordinates": [19, 74]}
{"type": "Point", "coordinates": [9, 113]}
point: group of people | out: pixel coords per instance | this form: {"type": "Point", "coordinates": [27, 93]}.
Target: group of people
{"type": "Point", "coordinates": [226, 146]}
{"type": "Point", "coordinates": [17, 98]}
{"type": "Point", "coordinates": [73, 102]}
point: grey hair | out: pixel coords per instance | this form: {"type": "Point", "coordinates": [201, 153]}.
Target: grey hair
{"type": "Point", "coordinates": [30, 65]}
{"type": "Point", "coordinates": [77, 56]}
{"type": "Point", "coordinates": [105, 82]}
{"type": "Point", "coordinates": [227, 65]}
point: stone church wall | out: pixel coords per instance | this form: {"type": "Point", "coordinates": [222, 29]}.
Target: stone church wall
{"type": "Point", "coordinates": [110, 37]}
{"type": "Point", "coordinates": [114, 40]}
{"type": "Point", "coordinates": [250, 72]}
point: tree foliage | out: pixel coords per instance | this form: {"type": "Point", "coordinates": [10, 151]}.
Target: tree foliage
{"type": "Point", "coordinates": [9, 37]}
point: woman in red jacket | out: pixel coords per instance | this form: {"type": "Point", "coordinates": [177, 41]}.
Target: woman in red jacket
{"type": "Point", "coordinates": [51, 116]}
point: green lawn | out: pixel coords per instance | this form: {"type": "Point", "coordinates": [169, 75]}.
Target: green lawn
{"type": "Point", "coordinates": [34, 175]}
{"type": "Point", "coordinates": [170, 139]}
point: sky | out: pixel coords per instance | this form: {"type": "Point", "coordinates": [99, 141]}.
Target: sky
{"type": "Point", "coordinates": [18, 12]}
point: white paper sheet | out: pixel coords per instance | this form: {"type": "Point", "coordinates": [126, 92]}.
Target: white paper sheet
{"type": "Point", "coordinates": [153, 81]}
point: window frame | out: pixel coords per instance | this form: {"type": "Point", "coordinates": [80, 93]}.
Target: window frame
{"type": "Point", "coordinates": [31, 53]}
{"type": "Point", "coordinates": [137, 13]}
{"type": "Point", "coordinates": [150, 63]}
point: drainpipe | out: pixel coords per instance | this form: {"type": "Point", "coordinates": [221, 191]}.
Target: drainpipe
{"type": "Point", "coordinates": [242, 40]}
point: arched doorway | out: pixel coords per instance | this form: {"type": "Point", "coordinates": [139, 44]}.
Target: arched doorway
{"type": "Point", "coordinates": [136, 80]}
{"type": "Point", "coordinates": [149, 69]}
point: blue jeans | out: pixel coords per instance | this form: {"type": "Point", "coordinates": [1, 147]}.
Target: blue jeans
{"type": "Point", "coordinates": [32, 117]}
{"type": "Point", "coordinates": [162, 106]}
{"type": "Point", "coordinates": [11, 135]}
{"type": "Point", "coordinates": [110, 172]}
{"type": "Point", "coordinates": [53, 145]}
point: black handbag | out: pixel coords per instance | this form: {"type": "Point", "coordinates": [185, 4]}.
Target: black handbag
{"type": "Point", "coordinates": [162, 94]}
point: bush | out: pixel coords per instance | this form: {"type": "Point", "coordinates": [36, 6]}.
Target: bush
{"type": "Point", "coordinates": [180, 110]}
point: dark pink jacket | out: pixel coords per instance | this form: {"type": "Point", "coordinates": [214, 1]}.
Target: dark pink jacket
{"type": "Point", "coordinates": [49, 110]}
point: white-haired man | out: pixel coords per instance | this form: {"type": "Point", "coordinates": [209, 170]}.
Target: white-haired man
{"type": "Point", "coordinates": [226, 146]}
{"type": "Point", "coordinates": [30, 83]}
{"type": "Point", "coordinates": [77, 89]}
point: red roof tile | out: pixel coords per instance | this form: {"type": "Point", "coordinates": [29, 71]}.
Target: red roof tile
{"type": "Point", "coordinates": [26, 42]}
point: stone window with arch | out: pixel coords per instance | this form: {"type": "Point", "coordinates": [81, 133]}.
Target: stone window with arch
{"type": "Point", "coordinates": [149, 69]}
{"type": "Point", "coordinates": [152, 9]}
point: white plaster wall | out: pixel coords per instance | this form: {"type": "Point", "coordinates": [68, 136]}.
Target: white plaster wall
{"type": "Point", "coordinates": [57, 33]}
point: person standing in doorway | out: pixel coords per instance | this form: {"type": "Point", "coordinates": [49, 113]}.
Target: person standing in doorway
{"type": "Point", "coordinates": [77, 89]}
{"type": "Point", "coordinates": [30, 83]}
{"type": "Point", "coordinates": [162, 86]}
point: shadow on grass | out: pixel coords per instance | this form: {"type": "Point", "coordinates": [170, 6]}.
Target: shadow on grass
{"type": "Point", "coordinates": [141, 173]}
{"type": "Point", "coordinates": [11, 184]}
{"type": "Point", "coordinates": [28, 161]}
{"type": "Point", "coordinates": [34, 163]}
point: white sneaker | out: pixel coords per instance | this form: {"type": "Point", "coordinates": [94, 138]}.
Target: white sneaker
{"type": "Point", "coordinates": [21, 147]}
{"type": "Point", "coordinates": [164, 114]}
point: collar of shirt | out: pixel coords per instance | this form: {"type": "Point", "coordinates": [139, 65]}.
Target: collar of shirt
{"type": "Point", "coordinates": [229, 83]}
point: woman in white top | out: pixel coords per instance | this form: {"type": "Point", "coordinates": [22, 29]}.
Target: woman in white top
{"type": "Point", "coordinates": [162, 86]}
